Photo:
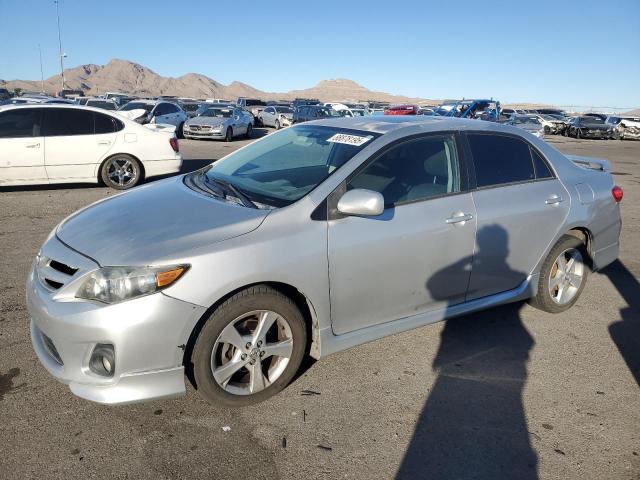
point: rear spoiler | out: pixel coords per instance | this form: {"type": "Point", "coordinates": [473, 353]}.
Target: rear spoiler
{"type": "Point", "coordinates": [591, 163]}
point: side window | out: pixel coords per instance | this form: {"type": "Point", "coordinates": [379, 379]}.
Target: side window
{"type": "Point", "coordinates": [67, 121]}
{"type": "Point", "coordinates": [414, 170]}
{"type": "Point", "coordinates": [104, 123]}
{"type": "Point", "coordinates": [500, 160]}
{"type": "Point", "coordinates": [161, 109]}
{"type": "Point", "coordinates": [171, 108]}
{"type": "Point", "coordinates": [540, 165]}
{"type": "Point", "coordinates": [20, 123]}
{"type": "Point", "coordinates": [269, 110]}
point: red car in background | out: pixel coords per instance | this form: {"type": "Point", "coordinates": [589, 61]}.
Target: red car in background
{"type": "Point", "coordinates": [402, 110]}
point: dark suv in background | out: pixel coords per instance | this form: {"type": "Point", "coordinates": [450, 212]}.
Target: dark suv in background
{"type": "Point", "coordinates": [306, 113]}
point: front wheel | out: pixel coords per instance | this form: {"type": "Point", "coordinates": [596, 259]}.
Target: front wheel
{"type": "Point", "coordinates": [249, 132]}
{"type": "Point", "coordinates": [277, 124]}
{"type": "Point", "coordinates": [121, 172]}
{"type": "Point", "coordinates": [563, 276]}
{"type": "Point", "coordinates": [180, 131]}
{"type": "Point", "coordinates": [250, 348]}
{"type": "Point", "coordinates": [229, 135]}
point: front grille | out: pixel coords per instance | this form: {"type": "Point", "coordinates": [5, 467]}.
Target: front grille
{"type": "Point", "coordinates": [54, 274]}
{"type": "Point", "coordinates": [51, 348]}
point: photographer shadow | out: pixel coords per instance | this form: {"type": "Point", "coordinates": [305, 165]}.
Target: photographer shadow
{"type": "Point", "coordinates": [473, 424]}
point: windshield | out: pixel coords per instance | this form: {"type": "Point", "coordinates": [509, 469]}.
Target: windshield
{"type": "Point", "coordinates": [283, 110]}
{"type": "Point", "coordinates": [286, 165]}
{"type": "Point", "coordinates": [217, 112]}
{"type": "Point", "coordinates": [135, 105]}
{"type": "Point", "coordinates": [591, 120]}
{"type": "Point", "coordinates": [526, 120]}
{"type": "Point", "coordinates": [328, 112]}
{"type": "Point", "coordinates": [358, 113]}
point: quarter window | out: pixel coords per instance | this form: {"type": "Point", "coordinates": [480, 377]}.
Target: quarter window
{"type": "Point", "coordinates": [104, 123]}
{"type": "Point", "coordinates": [67, 121]}
{"type": "Point", "coordinates": [500, 160]}
{"type": "Point", "coordinates": [20, 123]}
{"type": "Point", "coordinates": [542, 169]}
{"type": "Point", "coordinates": [415, 170]}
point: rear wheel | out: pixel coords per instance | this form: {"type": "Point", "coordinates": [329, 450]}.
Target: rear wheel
{"type": "Point", "coordinates": [277, 125]}
{"type": "Point", "coordinates": [249, 133]}
{"type": "Point", "coordinates": [578, 135]}
{"type": "Point", "coordinates": [229, 135]}
{"type": "Point", "coordinates": [121, 172]}
{"type": "Point", "coordinates": [180, 131]}
{"type": "Point", "coordinates": [250, 348]}
{"type": "Point", "coordinates": [563, 276]}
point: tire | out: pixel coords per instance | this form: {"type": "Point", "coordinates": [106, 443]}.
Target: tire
{"type": "Point", "coordinates": [249, 133]}
{"type": "Point", "coordinates": [180, 131]}
{"type": "Point", "coordinates": [277, 125]}
{"type": "Point", "coordinates": [211, 351]}
{"type": "Point", "coordinates": [547, 130]}
{"type": "Point", "coordinates": [121, 172]}
{"type": "Point", "coordinates": [578, 135]}
{"type": "Point", "coordinates": [544, 300]}
{"type": "Point", "coordinates": [228, 137]}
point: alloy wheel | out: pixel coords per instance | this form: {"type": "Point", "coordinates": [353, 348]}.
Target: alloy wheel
{"type": "Point", "coordinates": [122, 171]}
{"type": "Point", "coordinates": [567, 274]}
{"type": "Point", "coordinates": [252, 352]}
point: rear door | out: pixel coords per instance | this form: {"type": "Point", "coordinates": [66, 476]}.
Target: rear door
{"type": "Point", "coordinates": [73, 149]}
{"type": "Point", "coordinates": [21, 146]}
{"type": "Point", "coordinates": [416, 256]}
{"type": "Point", "coordinates": [521, 206]}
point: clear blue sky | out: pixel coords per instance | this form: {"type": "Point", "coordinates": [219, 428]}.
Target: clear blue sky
{"type": "Point", "coordinates": [582, 52]}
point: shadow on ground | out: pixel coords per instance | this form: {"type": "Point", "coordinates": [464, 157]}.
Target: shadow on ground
{"type": "Point", "coordinates": [625, 332]}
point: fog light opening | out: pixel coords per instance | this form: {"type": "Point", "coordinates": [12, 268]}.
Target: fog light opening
{"type": "Point", "coordinates": [103, 360]}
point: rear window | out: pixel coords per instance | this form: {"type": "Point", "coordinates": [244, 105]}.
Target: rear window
{"type": "Point", "coordinates": [500, 160]}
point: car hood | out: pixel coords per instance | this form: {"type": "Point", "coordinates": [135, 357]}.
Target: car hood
{"type": "Point", "coordinates": [210, 121]}
{"type": "Point", "coordinates": [156, 222]}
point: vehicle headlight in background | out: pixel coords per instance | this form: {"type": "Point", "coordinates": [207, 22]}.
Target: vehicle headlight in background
{"type": "Point", "coordinates": [117, 284]}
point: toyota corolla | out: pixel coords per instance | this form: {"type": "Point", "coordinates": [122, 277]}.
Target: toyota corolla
{"type": "Point", "coordinates": [309, 241]}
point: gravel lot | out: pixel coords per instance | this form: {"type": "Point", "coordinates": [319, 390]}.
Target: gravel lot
{"type": "Point", "coordinates": [507, 393]}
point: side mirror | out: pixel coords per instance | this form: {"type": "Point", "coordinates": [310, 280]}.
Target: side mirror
{"type": "Point", "coordinates": [237, 117]}
{"type": "Point", "coordinates": [361, 202]}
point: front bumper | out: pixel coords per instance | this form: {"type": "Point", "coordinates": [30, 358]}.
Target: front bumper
{"type": "Point", "coordinates": [148, 335]}
{"type": "Point", "coordinates": [188, 133]}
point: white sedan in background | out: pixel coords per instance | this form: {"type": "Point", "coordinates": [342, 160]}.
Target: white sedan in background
{"type": "Point", "coordinates": [41, 144]}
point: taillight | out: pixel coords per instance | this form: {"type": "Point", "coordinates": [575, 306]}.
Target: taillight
{"type": "Point", "coordinates": [174, 144]}
{"type": "Point", "coordinates": [617, 193]}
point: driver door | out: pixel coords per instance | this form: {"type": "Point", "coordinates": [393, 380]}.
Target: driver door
{"type": "Point", "coordinates": [414, 257]}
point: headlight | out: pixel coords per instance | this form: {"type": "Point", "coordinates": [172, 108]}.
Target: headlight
{"type": "Point", "coordinates": [216, 127]}
{"type": "Point", "coordinates": [117, 284]}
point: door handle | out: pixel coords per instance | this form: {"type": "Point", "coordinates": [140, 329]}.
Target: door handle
{"type": "Point", "coordinates": [554, 200]}
{"type": "Point", "coordinates": [104, 143]}
{"type": "Point", "coordinates": [34, 145]}
{"type": "Point", "coordinates": [459, 217]}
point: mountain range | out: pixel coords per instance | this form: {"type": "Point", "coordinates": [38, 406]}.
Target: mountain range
{"type": "Point", "coordinates": [135, 79]}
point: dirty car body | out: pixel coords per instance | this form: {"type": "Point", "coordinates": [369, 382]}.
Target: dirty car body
{"type": "Point", "coordinates": [303, 234]}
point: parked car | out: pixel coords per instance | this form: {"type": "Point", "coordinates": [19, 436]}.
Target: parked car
{"type": "Point", "coordinates": [299, 102]}
{"type": "Point", "coordinates": [529, 123]}
{"type": "Point", "coordinates": [402, 110]}
{"type": "Point", "coordinates": [251, 105]}
{"type": "Point", "coordinates": [306, 113]}
{"type": "Point", "coordinates": [190, 107]}
{"type": "Point", "coordinates": [5, 94]}
{"type": "Point", "coordinates": [100, 103]}
{"type": "Point", "coordinates": [43, 144]}
{"type": "Point", "coordinates": [235, 271]}
{"type": "Point", "coordinates": [159, 112]}
{"type": "Point", "coordinates": [589, 127]}
{"type": "Point", "coordinates": [276, 116]}
{"type": "Point", "coordinates": [550, 124]}
{"type": "Point", "coordinates": [551, 111]}
{"type": "Point", "coordinates": [512, 111]}
{"type": "Point", "coordinates": [599, 116]}
{"type": "Point", "coordinates": [70, 93]}
{"type": "Point", "coordinates": [219, 123]}
{"type": "Point", "coordinates": [624, 127]}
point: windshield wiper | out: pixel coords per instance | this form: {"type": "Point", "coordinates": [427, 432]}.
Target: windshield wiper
{"type": "Point", "coordinates": [230, 187]}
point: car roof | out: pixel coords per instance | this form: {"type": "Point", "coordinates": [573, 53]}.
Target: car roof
{"type": "Point", "coordinates": [61, 105]}
{"type": "Point", "coordinates": [384, 124]}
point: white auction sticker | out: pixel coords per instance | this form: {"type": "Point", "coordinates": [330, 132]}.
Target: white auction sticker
{"type": "Point", "coordinates": [354, 140]}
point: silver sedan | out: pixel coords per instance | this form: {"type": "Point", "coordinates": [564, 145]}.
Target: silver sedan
{"type": "Point", "coordinates": [276, 116]}
{"type": "Point", "coordinates": [222, 123]}
{"type": "Point", "coordinates": [312, 240]}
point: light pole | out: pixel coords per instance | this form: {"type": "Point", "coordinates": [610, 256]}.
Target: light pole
{"type": "Point", "coordinates": [62, 55]}
{"type": "Point", "coordinates": [41, 71]}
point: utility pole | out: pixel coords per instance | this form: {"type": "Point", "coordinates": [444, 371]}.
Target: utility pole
{"type": "Point", "coordinates": [41, 71]}
{"type": "Point", "coordinates": [62, 55]}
